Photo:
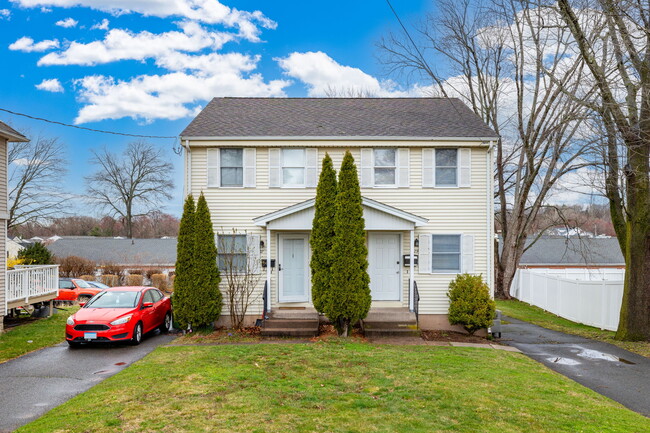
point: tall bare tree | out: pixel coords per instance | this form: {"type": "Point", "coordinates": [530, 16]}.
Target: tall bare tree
{"type": "Point", "coordinates": [494, 57]}
{"type": "Point", "coordinates": [131, 184]}
{"type": "Point", "coordinates": [618, 58]}
{"type": "Point", "coordinates": [36, 171]}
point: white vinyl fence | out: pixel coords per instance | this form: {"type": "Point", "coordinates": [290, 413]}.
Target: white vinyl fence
{"type": "Point", "coordinates": [27, 282]}
{"type": "Point", "coordinates": [595, 303]}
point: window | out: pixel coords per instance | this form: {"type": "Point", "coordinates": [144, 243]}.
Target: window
{"type": "Point", "coordinates": [232, 167]}
{"type": "Point", "coordinates": [231, 253]}
{"type": "Point", "coordinates": [157, 296]}
{"type": "Point", "coordinates": [148, 297]}
{"type": "Point", "coordinates": [446, 167]}
{"type": "Point", "coordinates": [293, 167]}
{"type": "Point", "coordinates": [445, 253]}
{"type": "Point", "coordinates": [385, 166]}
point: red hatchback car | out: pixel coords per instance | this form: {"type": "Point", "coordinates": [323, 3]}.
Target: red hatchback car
{"type": "Point", "coordinates": [119, 314]}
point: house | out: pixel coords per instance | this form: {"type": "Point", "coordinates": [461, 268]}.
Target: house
{"type": "Point", "coordinates": [425, 168]}
{"type": "Point", "coordinates": [142, 254]}
{"type": "Point", "coordinates": [584, 258]}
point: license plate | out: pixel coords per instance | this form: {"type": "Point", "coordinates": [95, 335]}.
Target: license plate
{"type": "Point", "coordinates": [90, 335]}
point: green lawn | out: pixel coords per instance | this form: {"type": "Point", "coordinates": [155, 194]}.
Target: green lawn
{"type": "Point", "coordinates": [530, 313]}
{"type": "Point", "coordinates": [337, 387]}
{"type": "Point", "coordinates": [41, 332]}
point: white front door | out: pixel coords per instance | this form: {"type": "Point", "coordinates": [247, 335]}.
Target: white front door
{"type": "Point", "coordinates": [293, 268]}
{"type": "Point", "coordinates": [384, 266]}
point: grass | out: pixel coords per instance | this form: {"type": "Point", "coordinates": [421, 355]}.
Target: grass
{"type": "Point", "coordinates": [337, 387]}
{"type": "Point", "coordinates": [530, 313]}
{"type": "Point", "coordinates": [34, 335]}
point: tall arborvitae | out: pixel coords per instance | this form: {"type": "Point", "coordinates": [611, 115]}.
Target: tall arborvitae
{"type": "Point", "coordinates": [184, 265]}
{"type": "Point", "coordinates": [348, 298]}
{"type": "Point", "coordinates": [206, 296]}
{"type": "Point", "coordinates": [322, 235]}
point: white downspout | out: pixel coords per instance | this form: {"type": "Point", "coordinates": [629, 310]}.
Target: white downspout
{"type": "Point", "coordinates": [268, 266]}
{"type": "Point", "coordinates": [411, 270]}
{"type": "Point", "coordinates": [187, 189]}
{"type": "Point", "coordinates": [490, 217]}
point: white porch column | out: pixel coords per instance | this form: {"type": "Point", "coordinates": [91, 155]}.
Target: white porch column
{"type": "Point", "coordinates": [411, 269]}
{"type": "Point", "coordinates": [268, 267]}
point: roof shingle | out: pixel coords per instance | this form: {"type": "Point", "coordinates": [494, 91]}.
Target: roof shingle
{"type": "Point", "coordinates": [337, 117]}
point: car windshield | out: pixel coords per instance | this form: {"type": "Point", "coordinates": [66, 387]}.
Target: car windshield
{"type": "Point", "coordinates": [114, 299]}
{"type": "Point", "coordinates": [83, 284]}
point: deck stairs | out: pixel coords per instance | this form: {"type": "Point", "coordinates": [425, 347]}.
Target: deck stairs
{"type": "Point", "coordinates": [294, 322]}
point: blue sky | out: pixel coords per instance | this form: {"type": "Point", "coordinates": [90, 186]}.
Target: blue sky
{"type": "Point", "coordinates": [147, 66]}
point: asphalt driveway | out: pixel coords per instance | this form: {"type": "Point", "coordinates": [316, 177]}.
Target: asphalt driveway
{"type": "Point", "coordinates": [39, 381]}
{"type": "Point", "coordinates": [609, 370]}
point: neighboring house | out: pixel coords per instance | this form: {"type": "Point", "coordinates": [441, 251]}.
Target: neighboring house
{"type": "Point", "coordinates": [134, 254]}
{"type": "Point", "coordinates": [576, 257]}
{"type": "Point", "coordinates": [425, 168]}
{"type": "Point", "coordinates": [13, 248]}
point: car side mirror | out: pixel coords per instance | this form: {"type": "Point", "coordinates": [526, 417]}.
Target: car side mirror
{"type": "Point", "coordinates": [147, 305]}
{"type": "Point", "coordinates": [81, 304]}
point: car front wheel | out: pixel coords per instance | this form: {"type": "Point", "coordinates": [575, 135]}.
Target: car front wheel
{"type": "Point", "coordinates": [137, 334]}
{"type": "Point", "coordinates": [166, 325]}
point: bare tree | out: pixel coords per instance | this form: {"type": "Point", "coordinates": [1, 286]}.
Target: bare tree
{"type": "Point", "coordinates": [496, 55]}
{"type": "Point", "coordinates": [618, 58]}
{"type": "Point", "coordinates": [242, 275]}
{"type": "Point", "coordinates": [131, 184]}
{"type": "Point", "coordinates": [36, 171]}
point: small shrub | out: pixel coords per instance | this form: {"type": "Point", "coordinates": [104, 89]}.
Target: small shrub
{"type": "Point", "coordinates": [11, 263]}
{"type": "Point", "coordinates": [74, 267]}
{"type": "Point", "coordinates": [112, 269]}
{"type": "Point", "coordinates": [151, 272]}
{"type": "Point", "coordinates": [470, 303]}
{"type": "Point", "coordinates": [136, 272]}
{"type": "Point", "coordinates": [111, 280]}
{"type": "Point", "coordinates": [159, 281]}
{"type": "Point", "coordinates": [134, 280]}
{"type": "Point", "coordinates": [36, 254]}
{"type": "Point", "coordinates": [88, 277]}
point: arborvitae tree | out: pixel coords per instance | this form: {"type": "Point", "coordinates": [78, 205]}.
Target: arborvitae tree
{"type": "Point", "coordinates": [348, 297]}
{"type": "Point", "coordinates": [206, 296]}
{"type": "Point", "coordinates": [322, 235]}
{"type": "Point", "coordinates": [36, 254]}
{"type": "Point", "coordinates": [184, 266]}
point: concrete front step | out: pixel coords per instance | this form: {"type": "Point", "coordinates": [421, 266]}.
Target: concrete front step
{"type": "Point", "coordinates": [289, 332]}
{"type": "Point", "coordinates": [389, 325]}
{"type": "Point", "coordinates": [295, 322]}
{"type": "Point", "coordinates": [291, 323]}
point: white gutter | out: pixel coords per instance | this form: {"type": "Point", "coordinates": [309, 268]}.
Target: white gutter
{"type": "Point", "coordinates": [333, 138]}
{"type": "Point", "coordinates": [490, 217]}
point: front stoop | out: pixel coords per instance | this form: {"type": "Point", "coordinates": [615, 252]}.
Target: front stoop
{"type": "Point", "coordinates": [390, 322]}
{"type": "Point", "coordinates": [291, 323]}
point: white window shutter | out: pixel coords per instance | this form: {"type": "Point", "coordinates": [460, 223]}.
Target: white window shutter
{"type": "Point", "coordinates": [214, 175]}
{"type": "Point", "coordinates": [468, 254]}
{"type": "Point", "coordinates": [403, 165]}
{"type": "Point", "coordinates": [424, 254]}
{"type": "Point", "coordinates": [275, 170]}
{"type": "Point", "coordinates": [428, 168]}
{"type": "Point", "coordinates": [367, 168]}
{"type": "Point", "coordinates": [311, 168]}
{"type": "Point", "coordinates": [253, 254]}
{"type": "Point", "coordinates": [249, 167]}
{"type": "Point", "coordinates": [465, 167]}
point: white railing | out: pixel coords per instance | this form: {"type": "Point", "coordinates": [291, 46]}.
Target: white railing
{"type": "Point", "coordinates": [26, 282]}
{"type": "Point", "coordinates": [594, 303]}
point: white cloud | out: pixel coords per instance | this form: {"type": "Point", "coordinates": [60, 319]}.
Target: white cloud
{"type": "Point", "coordinates": [121, 44]}
{"type": "Point", "coordinates": [207, 11]}
{"type": "Point", "coordinates": [67, 23]}
{"type": "Point", "coordinates": [27, 45]}
{"type": "Point", "coordinates": [51, 85]}
{"type": "Point", "coordinates": [174, 95]}
{"type": "Point", "coordinates": [323, 75]}
{"type": "Point", "coordinates": [5, 14]}
{"type": "Point", "coordinates": [101, 26]}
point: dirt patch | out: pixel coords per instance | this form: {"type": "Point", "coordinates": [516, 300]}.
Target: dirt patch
{"type": "Point", "coordinates": [456, 337]}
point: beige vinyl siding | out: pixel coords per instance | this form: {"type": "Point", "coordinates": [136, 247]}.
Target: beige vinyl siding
{"type": "Point", "coordinates": [449, 210]}
{"type": "Point", "coordinates": [3, 227]}
{"type": "Point", "coordinates": [3, 177]}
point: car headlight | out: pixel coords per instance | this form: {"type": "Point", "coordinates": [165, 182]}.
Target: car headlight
{"type": "Point", "coordinates": [70, 321]}
{"type": "Point", "coordinates": [122, 320]}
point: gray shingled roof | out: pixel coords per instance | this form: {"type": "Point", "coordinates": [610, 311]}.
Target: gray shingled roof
{"type": "Point", "coordinates": [142, 252]}
{"type": "Point", "coordinates": [337, 117]}
{"type": "Point", "coordinates": [10, 133]}
{"type": "Point", "coordinates": [574, 251]}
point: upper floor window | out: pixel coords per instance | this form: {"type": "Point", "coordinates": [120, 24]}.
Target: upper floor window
{"type": "Point", "coordinates": [446, 254]}
{"type": "Point", "coordinates": [232, 167]}
{"type": "Point", "coordinates": [293, 167]}
{"type": "Point", "coordinates": [446, 167]}
{"type": "Point", "coordinates": [385, 166]}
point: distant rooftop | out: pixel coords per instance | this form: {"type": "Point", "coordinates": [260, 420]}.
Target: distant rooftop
{"type": "Point", "coordinates": [338, 117]}
{"type": "Point", "coordinates": [563, 251]}
{"type": "Point", "coordinates": [140, 252]}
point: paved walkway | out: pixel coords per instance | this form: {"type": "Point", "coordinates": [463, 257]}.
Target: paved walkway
{"type": "Point", "coordinates": [39, 381]}
{"type": "Point", "coordinates": [607, 369]}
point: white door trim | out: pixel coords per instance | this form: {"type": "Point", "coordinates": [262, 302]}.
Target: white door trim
{"type": "Point", "coordinates": [399, 258]}
{"type": "Point", "coordinates": [307, 280]}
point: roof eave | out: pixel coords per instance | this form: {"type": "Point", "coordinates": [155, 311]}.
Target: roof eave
{"type": "Point", "coordinates": [16, 138]}
{"type": "Point", "coordinates": [334, 138]}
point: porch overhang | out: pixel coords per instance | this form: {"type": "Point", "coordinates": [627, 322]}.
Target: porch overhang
{"type": "Point", "coordinates": [377, 215]}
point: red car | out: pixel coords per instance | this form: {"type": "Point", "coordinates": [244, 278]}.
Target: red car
{"type": "Point", "coordinates": [119, 314]}
{"type": "Point", "coordinates": [75, 289]}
